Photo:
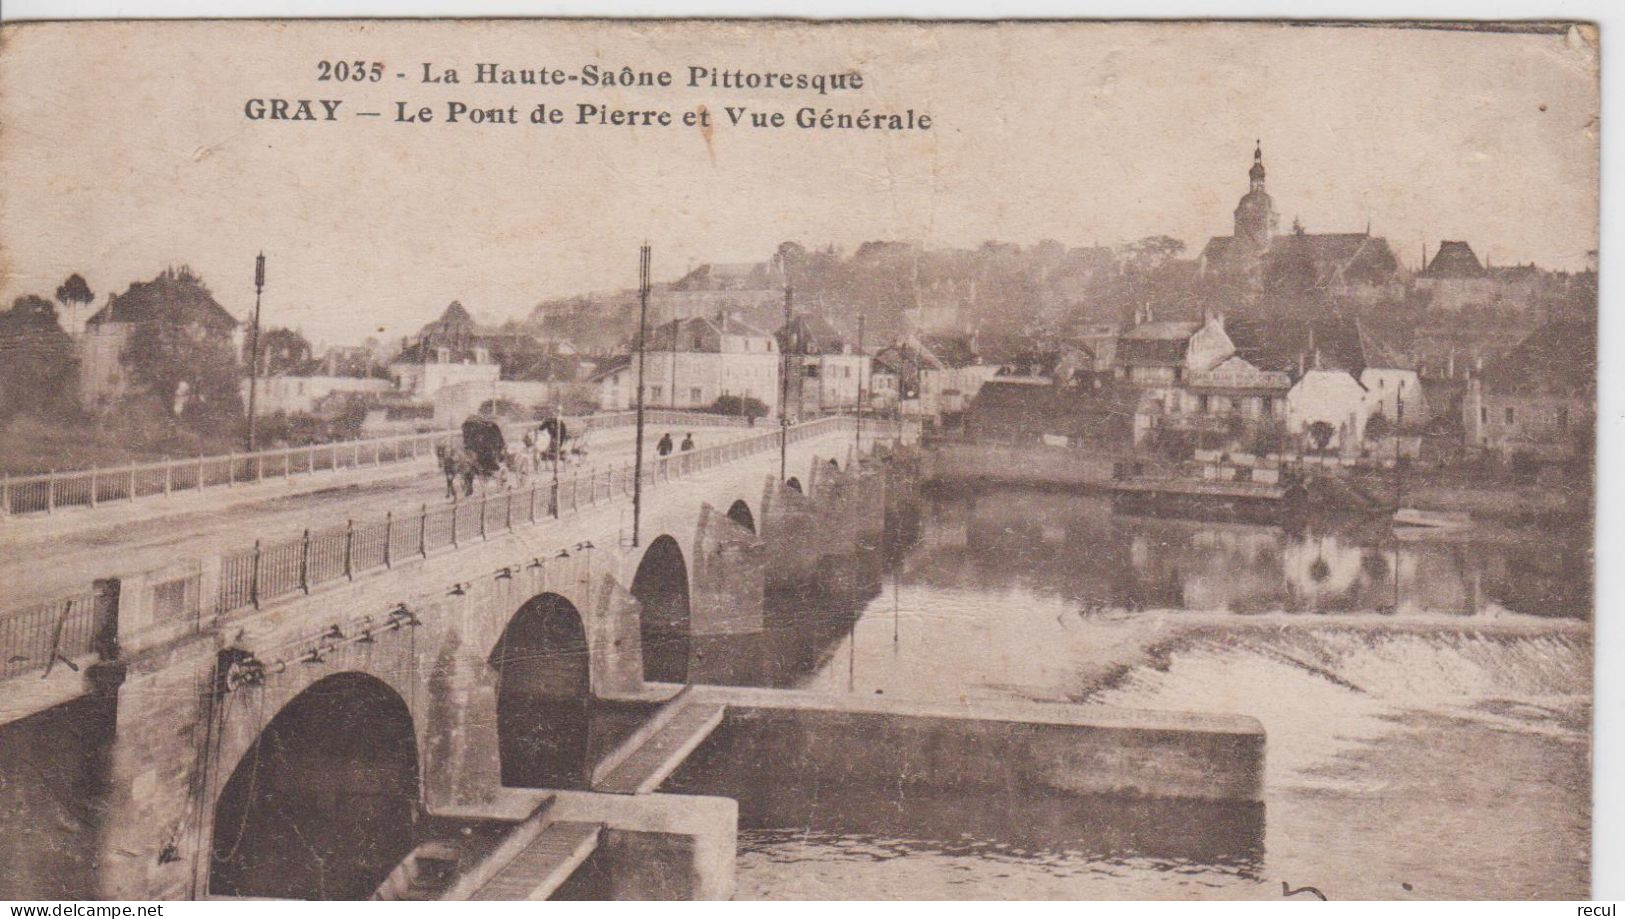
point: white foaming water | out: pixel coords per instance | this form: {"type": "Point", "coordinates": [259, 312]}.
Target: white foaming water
{"type": "Point", "coordinates": [1322, 692]}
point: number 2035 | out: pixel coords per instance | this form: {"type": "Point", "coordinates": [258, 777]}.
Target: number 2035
{"type": "Point", "coordinates": [350, 71]}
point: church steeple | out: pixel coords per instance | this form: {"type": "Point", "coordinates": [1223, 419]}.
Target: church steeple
{"type": "Point", "coordinates": [1255, 214]}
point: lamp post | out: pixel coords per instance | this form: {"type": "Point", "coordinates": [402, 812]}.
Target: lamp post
{"type": "Point", "coordinates": [674, 330]}
{"type": "Point", "coordinates": [254, 346]}
{"type": "Point", "coordinates": [788, 346]}
{"type": "Point", "coordinates": [643, 332]}
{"type": "Point", "coordinates": [858, 436]}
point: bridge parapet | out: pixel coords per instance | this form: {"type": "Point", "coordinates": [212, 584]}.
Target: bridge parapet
{"type": "Point", "coordinates": [88, 488]}
{"type": "Point", "coordinates": [253, 576]}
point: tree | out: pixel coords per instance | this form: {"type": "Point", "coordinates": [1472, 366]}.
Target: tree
{"type": "Point", "coordinates": [282, 351]}
{"type": "Point", "coordinates": [1152, 251]}
{"type": "Point", "coordinates": [38, 369]}
{"type": "Point", "coordinates": [192, 376]}
{"type": "Point", "coordinates": [1378, 427]}
{"type": "Point", "coordinates": [1320, 434]}
{"type": "Point", "coordinates": [1268, 436]}
{"type": "Point", "coordinates": [179, 355]}
{"type": "Point", "coordinates": [74, 291]}
{"type": "Point", "coordinates": [739, 405]}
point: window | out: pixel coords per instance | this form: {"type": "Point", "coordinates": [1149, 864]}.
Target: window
{"type": "Point", "coordinates": [694, 394]}
{"type": "Point", "coordinates": [1483, 414]}
{"type": "Point", "coordinates": [1511, 415]}
{"type": "Point", "coordinates": [655, 392]}
{"type": "Point", "coordinates": [1202, 404]}
{"type": "Point", "coordinates": [1563, 417]}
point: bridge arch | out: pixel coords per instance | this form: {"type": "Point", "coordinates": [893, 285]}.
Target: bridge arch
{"type": "Point", "coordinates": [794, 484]}
{"type": "Point", "coordinates": [544, 695]}
{"type": "Point", "coordinates": [739, 512]}
{"type": "Point", "coordinates": [324, 803]}
{"type": "Point", "coordinates": [661, 589]}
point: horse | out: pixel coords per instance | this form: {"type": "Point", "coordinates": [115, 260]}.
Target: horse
{"type": "Point", "coordinates": [457, 463]}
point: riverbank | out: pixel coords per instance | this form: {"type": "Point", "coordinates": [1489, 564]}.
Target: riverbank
{"type": "Point", "coordinates": [1488, 494]}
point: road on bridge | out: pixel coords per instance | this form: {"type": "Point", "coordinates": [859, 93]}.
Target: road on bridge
{"type": "Point", "coordinates": [45, 557]}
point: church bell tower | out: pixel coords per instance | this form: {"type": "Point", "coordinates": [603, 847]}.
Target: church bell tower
{"type": "Point", "coordinates": [1255, 214]}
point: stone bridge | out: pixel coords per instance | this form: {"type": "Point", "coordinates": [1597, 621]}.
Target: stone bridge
{"type": "Point", "coordinates": [485, 701]}
{"type": "Point", "coordinates": [422, 689]}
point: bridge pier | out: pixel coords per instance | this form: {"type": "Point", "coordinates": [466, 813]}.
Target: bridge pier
{"type": "Point", "coordinates": [789, 529]}
{"type": "Point", "coordinates": [461, 761]}
{"type": "Point", "coordinates": [726, 600]}
{"type": "Point", "coordinates": [155, 809]}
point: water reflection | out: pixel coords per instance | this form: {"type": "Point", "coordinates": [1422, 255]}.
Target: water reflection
{"type": "Point", "coordinates": [1076, 547]}
{"type": "Point", "coordinates": [1385, 671]}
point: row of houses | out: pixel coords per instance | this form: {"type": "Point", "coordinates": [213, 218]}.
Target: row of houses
{"type": "Point", "coordinates": [1315, 383]}
{"type": "Point", "coordinates": [1322, 386]}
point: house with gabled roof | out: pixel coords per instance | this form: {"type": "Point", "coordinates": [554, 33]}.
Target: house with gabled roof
{"type": "Point", "coordinates": [690, 363]}
{"type": "Point", "coordinates": [176, 297]}
{"type": "Point", "coordinates": [828, 369]}
{"type": "Point", "coordinates": [1538, 400]}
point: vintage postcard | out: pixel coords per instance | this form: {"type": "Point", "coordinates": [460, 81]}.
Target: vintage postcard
{"type": "Point", "coordinates": [590, 459]}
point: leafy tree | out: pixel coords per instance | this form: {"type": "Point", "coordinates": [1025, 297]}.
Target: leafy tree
{"type": "Point", "coordinates": [191, 374]}
{"type": "Point", "coordinates": [1268, 436]}
{"type": "Point", "coordinates": [1154, 250]}
{"type": "Point", "coordinates": [282, 351]}
{"type": "Point", "coordinates": [1319, 570]}
{"type": "Point", "coordinates": [739, 405]}
{"type": "Point", "coordinates": [179, 356]}
{"type": "Point", "coordinates": [38, 369]}
{"type": "Point", "coordinates": [1378, 427]}
{"type": "Point", "coordinates": [74, 291]}
{"type": "Point", "coordinates": [1320, 434]}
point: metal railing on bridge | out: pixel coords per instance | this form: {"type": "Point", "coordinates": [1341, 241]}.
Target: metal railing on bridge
{"type": "Point", "coordinates": [46, 492]}
{"type": "Point", "coordinates": [269, 571]}
{"type": "Point", "coordinates": [34, 636]}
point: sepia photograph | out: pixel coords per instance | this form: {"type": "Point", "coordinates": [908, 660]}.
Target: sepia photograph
{"type": "Point", "coordinates": [650, 459]}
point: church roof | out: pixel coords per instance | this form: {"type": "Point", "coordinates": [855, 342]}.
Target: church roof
{"type": "Point", "coordinates": [1221, 248]}
{"type": "Point", "coordinates": [1330, 255]}
{"type": "Point", "coordinates": [1455, 259]}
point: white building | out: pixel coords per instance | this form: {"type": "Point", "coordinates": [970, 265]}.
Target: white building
{"type": "Point", "coordinates": [1396, 394]}
{"type": "Point", "coordinates": [423, 371]}
{"type": "Point", "coordinates": [831, 371]}
{"type": "Point", "coordinates": [299, 394]}
{"type": "Point", "coordinates": [690, 363]}
{"type": "Point", "coordinates": [1334, 397]}
{"type": "Point", "coordinates": [951, 373]}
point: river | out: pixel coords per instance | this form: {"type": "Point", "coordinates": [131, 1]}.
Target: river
{"type": "Point", "coordinates": [1427, 703]}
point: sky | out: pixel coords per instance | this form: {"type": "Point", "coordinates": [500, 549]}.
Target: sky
{"type": "Point", "coordinates": [127, 150]}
